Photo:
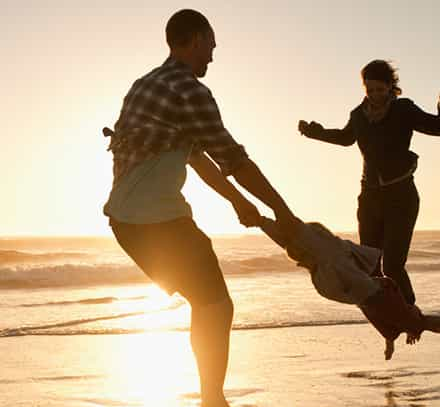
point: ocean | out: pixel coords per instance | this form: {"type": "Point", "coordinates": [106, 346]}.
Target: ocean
{"type": "Point", "coordinates": [87, 287]}
{"type": "Point", "coordinates": [73, 286]}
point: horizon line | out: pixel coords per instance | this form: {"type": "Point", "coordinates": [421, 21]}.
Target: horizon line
{"type": "Point", "coordinates": [214, 235]}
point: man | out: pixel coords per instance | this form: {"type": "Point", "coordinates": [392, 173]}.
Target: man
{"type": "Point", "coordinates": [169, 119]}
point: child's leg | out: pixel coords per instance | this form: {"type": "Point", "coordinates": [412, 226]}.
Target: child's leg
{"type": "Point", "coordinates": [432, 323]}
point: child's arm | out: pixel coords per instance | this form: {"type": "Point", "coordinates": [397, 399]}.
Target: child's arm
{"type": "Point", "coordinates": [271, 228]}
{"type": "Point", "coordinates": [294, 250]}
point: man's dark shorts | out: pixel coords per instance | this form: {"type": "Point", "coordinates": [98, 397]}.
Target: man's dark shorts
{"type": "Point", "coordinates": [177, 256]}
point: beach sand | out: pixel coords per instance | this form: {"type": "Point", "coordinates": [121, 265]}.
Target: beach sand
{"type": "Point", "coordinates": [325, 366]}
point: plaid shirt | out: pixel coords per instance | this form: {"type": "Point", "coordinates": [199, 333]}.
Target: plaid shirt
{"type": "Point", "coordinates": [164, 110]}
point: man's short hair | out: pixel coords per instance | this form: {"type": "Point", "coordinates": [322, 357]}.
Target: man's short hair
{"type": "Point", "coordinates": [184, 25]}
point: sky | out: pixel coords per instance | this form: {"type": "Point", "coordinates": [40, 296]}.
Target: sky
{"type": "Point", "coordinates": [66, 67]}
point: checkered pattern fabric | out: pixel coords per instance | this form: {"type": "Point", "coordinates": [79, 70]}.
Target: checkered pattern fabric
{"type": "Point", "coordinates": [166, 109]}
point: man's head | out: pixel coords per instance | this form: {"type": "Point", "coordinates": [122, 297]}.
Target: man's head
{"type": "Point", "coordinates": [191, 39]}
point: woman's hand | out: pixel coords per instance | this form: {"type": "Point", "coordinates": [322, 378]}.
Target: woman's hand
{"type": "Point", "coordinates": [303, 126]}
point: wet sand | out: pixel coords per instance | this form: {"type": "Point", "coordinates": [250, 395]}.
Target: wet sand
{"type": "Point", "coordinates": [327, 366]}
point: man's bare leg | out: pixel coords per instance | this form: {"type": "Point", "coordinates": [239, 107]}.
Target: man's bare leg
{"type": "Point", "coordinates": [389, 349]}
{"type": "Point", "coordinates": [210, 331]}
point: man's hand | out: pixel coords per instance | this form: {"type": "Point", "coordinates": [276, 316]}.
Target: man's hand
{"type": "Point", "coordinates": [247, 212]}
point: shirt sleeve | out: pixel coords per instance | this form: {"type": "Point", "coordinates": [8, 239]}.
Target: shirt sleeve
{"type": "Point", "coordinates": [421, 121]}
{"type": "Point", "coordinates": [342, 137]}
{"type": "Point", "coordinates": [202, 122]}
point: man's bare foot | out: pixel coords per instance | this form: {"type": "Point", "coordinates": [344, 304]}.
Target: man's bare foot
{"type": "Point", "coordinates": [215, 403]}
{"type": "Point", "coordinates": [225, 404]}
{"type": "Point", "coordinates": [412, 338]}
{"type": "Point", "coordinates": [389, 349]}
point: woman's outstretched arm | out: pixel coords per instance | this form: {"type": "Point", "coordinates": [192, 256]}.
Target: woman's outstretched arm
{"type": "Point", "coordinates": [425, 122]}
{"type": "Point", "coordinates": [342, 137]}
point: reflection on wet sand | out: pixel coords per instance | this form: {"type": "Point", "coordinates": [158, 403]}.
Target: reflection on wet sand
{"type": "Point", "coordinates": [398, 391]}
{"type": "Point", "coordinates": [233, 396]}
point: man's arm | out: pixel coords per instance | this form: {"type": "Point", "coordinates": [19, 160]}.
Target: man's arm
{"type": "Point", "coordinates": [211, 175]}
{"type": "Point", "coordinates": [249, 176]}
{"type": "Point", "coordinates": [203, 122]}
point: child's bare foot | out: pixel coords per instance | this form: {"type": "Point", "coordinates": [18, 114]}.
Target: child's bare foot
{"type": "Point", "coordinates": [389, 349]}
{"type": "Point", "coordinates": [412, 338]}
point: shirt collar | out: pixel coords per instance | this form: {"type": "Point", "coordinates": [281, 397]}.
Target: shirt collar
{"type": "Point", "coordinates": [173, 62]}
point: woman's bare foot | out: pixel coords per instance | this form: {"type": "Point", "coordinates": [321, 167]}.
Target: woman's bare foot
{"type": "Point", "coordinates": [389, 349]}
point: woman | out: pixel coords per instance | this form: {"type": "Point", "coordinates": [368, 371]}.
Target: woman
{"type": "Point", "coordinates": [382, 125]}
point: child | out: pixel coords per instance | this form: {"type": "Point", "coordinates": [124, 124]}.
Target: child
{"type": "Point", "coordinates": [344, 271]}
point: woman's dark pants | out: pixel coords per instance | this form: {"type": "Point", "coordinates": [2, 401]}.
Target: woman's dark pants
{"type": "Point", "coordinates": [387, 216]}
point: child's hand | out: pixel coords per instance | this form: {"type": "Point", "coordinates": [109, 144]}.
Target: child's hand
{"type": "Point", "coordinates": [247, 212]}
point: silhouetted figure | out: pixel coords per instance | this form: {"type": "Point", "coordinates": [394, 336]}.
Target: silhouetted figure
{"type": "Point", "coordinates": [344, 271]}
{"type": "Point", "coordinates": [382, 125]}
{"type": "Point", "coordinates": [168, 119]}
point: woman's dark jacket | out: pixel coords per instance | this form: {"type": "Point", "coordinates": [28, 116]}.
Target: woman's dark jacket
{"type": "Point", "coordinates": [384, 144]}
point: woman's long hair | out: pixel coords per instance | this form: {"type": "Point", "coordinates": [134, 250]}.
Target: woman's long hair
{"type": "Point", "coordinates": [381, 70]}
